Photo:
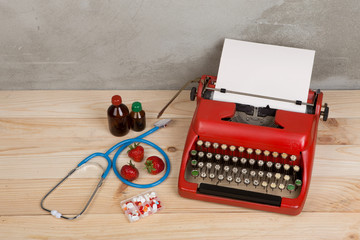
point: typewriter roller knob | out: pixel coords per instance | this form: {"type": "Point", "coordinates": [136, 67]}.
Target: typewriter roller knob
{"type": "Point", "coordinates": [193, 93]}
{"type": "Point", "coordinates": [325, 113]}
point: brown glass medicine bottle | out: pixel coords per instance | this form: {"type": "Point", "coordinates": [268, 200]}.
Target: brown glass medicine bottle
{"type": "Point", "coordinates": [118, 117]}
{"type": "Point", "coordinates": [137, 117]}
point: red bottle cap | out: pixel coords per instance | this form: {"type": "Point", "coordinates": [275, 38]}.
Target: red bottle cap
{"type": "Point", "coordinates": [116, 100]}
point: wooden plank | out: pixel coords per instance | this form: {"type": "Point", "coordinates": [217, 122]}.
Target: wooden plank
{"type": "Point", "coordinates": [335, 131]}
{"type": "Point", "coordinates": [325, 195]}
{"type": "Point", "coordinates": [89, 104]}
{"type": "Point", "coordinates": [93, 104]}
{"type": "Point", "coordinates": [186, 225]}
{"type": "Point", "coordinates": [29, 159]}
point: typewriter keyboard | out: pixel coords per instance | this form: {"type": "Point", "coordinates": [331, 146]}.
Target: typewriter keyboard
{"type": "Point", "coordinates": [251, 170]}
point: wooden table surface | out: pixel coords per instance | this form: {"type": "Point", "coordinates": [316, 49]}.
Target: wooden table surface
{"type": "Point", "coordinates": [44, 134]}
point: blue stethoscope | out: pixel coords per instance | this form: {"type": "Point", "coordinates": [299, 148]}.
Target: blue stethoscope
{"type": "Point", "coordinates": [112, 164]}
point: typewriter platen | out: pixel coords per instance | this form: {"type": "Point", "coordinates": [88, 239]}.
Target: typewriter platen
{"type": "Point", "coordinates": [259, 158]}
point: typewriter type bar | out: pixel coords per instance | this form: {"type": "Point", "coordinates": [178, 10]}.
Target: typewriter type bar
{"type": "Point", "coordinates": [260, 158]}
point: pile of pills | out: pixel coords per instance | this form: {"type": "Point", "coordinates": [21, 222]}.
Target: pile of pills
{"type": "Point", "coordinates": [141, 206]}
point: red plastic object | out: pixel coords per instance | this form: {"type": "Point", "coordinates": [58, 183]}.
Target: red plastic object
{"type": "Point", "coordinates": [298, 136]}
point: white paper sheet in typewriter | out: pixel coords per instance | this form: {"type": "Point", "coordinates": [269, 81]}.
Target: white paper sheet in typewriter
{"type": "Point", "coordinates": [265, 70]}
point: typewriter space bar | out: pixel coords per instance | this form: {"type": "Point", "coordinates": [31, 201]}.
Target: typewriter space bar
{"type": "Point", "coordinates": [239, 194]}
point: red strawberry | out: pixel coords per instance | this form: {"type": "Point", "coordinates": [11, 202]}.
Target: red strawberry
{"type": "Point", "coordinates": [136, 152]}
{"type": "Point", "coordinates": [154, 165]}
{"type": "Point", "coordinates": [129, 172]}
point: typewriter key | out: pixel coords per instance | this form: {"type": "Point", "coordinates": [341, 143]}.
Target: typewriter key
{"type": "Point", "coordinates": [293, 158]}
{"type": "Point", "coordinates": [269, 175]}
{"type": "Point", "coordinates": [201, 154]}
{"type": "Point", "coordinates": [278, 166]}
{"type": "Point", "coordinates": [215, 145]}
{"type": "Point", "coordinates": [253, 173]}
{"type": "Point", "coordinates": [296, 168]}
{"type": "Point", "coordinates": [243, 160]}
{"type": "Point", "coordinates": [226, 168]}
{"type": "Point", "coordinates": [199, 143]}
{"type": "Point", "coordinates": [209, 156]}
{"type": "Point", "coordinates": [235, 170]}
{"type": "Point", "coordinates": [266, 153]}
{"type": "Point", "coordinates": [200, 164]}
{"type": "Point", "coordinates": [249, 151]}
{"type": "Point", "coordinates": [223, 147]}
{"type": "Point", "coordinates": [235, 159]}
{"type": "Point", "coordinates": [211, 176]}
{"type": "Point", "coordinates": [290, 187]}
{"type": "Point", "coordinates": [286, 178]}
{"type": "Point", "coordinates": [281, 186]}
{"type": "Point", "coordinates": [264, 184]}
{"type": "Point", "coordinates": [217, 157]}
{"type": "Point", "coordinates": [251, 162]}
{"type": "Point", "coordinates": [246, 181]}
{"type": "Point", "coordinates": [217, 168]}
{"type": "Point", "coordinates": [258, 152]}
{"type": "Point", "coordinates": [220, 177]}
{"type": "Point", "coordinates": [241, 149]}
{"type": "Point", "coordinates": [277, 176]}
{"type": "Point", "coordinates": [203, 175]}
{"type": "Point", "coordinates": [194, 162]}
{"type": "Point", "coordinates": [193, 153]}
{"type": "Point", "coordinates": [207, 144]}
{"type": "Point", "coordinates": [298, 182]}
{"type": "Point", "coordinates": [226, 158]}
{"type": "Point", "coordinates": [238, 180]}
{"type": "Point", "coordinates": [286, 167]}
{"type": "Point", "coordinates": [208, 165]}
{"type": "Point", "coordinates": [194, 173]}
{"type": "Point", "coordinates": [269, 165]}
{"type": "Point", "coordinates": [273, 185]}
{"type": "Point", "coordinates": [244, 171]}
{"type": "Point", "coordinates": [260, 163]}
{"type": "Point", "coordinates": [229, 178]}
{"type": "Point", "coordinates": [256, 183]}
{"type": "Point", "coordinates": [284, 156]}
{"type": "Point", "coordinates": [275, 154]}
{"type": "Point", "coordinates": [261, 174]}
{"type": "Point", "coordinates": [232, 148]}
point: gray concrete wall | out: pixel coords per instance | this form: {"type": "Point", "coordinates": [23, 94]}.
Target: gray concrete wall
{"type": "Point", "coordinates": [160, 44]}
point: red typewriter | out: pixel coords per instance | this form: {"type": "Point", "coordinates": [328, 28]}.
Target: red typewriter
{"type": "Point", "coordinates": [241, 155]}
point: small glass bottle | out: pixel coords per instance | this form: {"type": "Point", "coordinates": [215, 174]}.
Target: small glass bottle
{"type": "Point", "coordinates": [137, 117]}
{"type": "Point", "coordinates": [118, 117]}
